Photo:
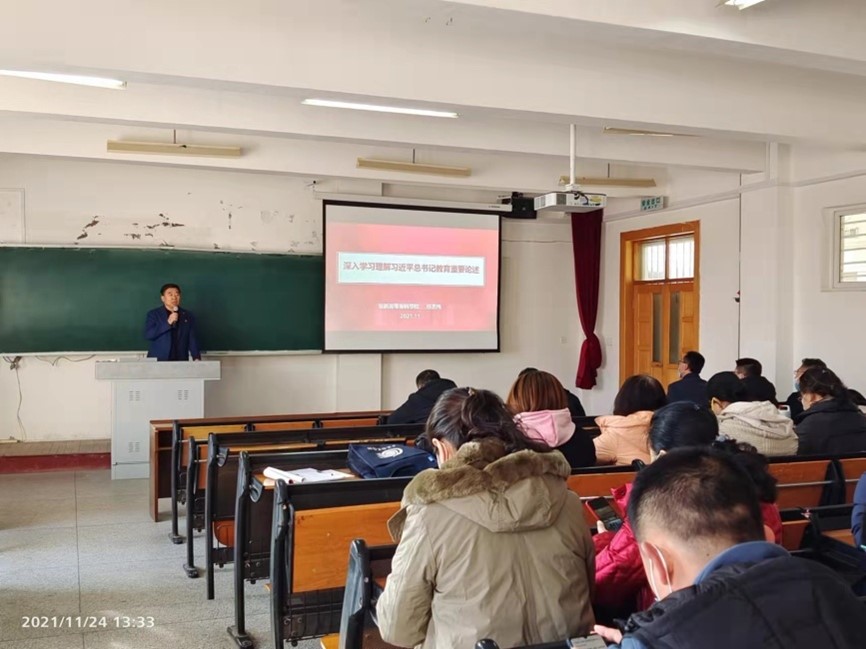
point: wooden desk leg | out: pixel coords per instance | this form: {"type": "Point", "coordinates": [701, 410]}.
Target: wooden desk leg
{"type": "Point", "coordinates": [154, 474]}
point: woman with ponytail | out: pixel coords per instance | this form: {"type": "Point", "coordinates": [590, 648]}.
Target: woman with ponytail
{"type": "Point", "coordinates": [831, 423]}
{"type": "Point", "coordinates": [490, 545]}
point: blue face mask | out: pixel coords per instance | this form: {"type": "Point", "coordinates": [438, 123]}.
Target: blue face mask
{"type": "Point", "coordinates": [796, 385]}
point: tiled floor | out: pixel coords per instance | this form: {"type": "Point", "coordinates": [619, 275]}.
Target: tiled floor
{"type": "Point", "coordinates": [79, 544]}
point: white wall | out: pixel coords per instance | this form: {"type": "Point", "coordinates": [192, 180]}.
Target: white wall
{"type": "Point", "coordinates": [268, 213]}
{"type": "Point", "coordinates": [827, 324]}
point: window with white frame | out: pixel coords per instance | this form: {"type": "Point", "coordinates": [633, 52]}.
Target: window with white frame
{"type": "Point", "coordinates": [849, 248]}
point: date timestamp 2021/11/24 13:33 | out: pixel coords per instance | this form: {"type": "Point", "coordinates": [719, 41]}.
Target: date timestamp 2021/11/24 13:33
{"type": "Point", "coordinates": [87, 622]}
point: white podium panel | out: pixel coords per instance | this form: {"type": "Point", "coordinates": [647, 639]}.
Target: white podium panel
{"type": "Point", "coordinates": [145, 390]}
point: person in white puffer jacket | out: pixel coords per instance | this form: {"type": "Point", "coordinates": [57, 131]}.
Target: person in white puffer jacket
{"type": "Point", "coordinates": [758, 423]}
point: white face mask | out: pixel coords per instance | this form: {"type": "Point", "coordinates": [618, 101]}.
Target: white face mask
{"type": "Point", "coordinates": [652, 577]}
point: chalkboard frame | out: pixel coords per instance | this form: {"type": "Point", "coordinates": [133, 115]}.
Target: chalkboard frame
{"type": "Point", "coordinates": [309, 267]}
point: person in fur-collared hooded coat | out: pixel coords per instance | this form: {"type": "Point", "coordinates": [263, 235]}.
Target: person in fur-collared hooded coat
{"type": "Point", "coordinates": [492, 544]}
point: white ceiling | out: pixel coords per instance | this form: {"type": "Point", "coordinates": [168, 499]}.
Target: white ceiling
{"type": "Point", "coordinates": [517, 71]}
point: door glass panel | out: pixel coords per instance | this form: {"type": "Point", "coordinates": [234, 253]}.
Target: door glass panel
{"type": "Point", "coordinates": [657, 327]}
{"type": "Point", "coordinates": [675, 329]}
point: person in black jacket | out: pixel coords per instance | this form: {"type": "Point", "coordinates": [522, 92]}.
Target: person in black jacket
{"type": "Point", "coordinates": [793, 400]}
{"type": "Point", "coordinates": [758, 388]}
{"type": "Point", "coordinates": [419, 404]}
{"type": "Point", "coordinates": [690, 387]}
{"type": "Point", "coordinates": [830, 422]}
{"type": "Point", "coordinates": [697, 520]}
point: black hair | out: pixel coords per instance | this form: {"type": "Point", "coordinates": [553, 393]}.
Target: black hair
{"type": "Point", "coordinates": [465, 414]}
{"type": "Point", "coordinates": [823, 382]}
{"type": "Point", "coordinates": [426, 377]}
{"type": "Point", "coordinates": [754, 464]}
{"type": "Point", "coordinates": [695, 361]}
{"type": "Point", "coordinates": [856, 398]}
{"type": "Point", "coordinates": [165, 287]}
{"type": "Point", "coordinates": [750, 366]}
{"type": "Point", "coordinates": [727, 387]}
{"type": "Point", "coordinates": [698, 495]}
{"type": "Point", "coordinates": [639, 392]}
{"type": "Point", "coordinates": [682, 424]}
{"type": "Point", "coordinates": [812, 362]}
{"type": "Point", "coordinates": [527, 370]}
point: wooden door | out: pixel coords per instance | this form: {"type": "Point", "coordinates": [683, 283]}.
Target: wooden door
{"type": "Point", "coordinates": [665, 327]}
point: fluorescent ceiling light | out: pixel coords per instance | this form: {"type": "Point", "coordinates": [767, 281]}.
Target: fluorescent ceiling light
{"type": "Point", "coordinates": [613, 130]}
{"type": "Point", "coordinates": [414, 167]}
{"type": "Point", "coordinates": [422, 112]}
{"type": "Point", "coordinates": [173, 148]}
{"type": "Point", "coordinates": [742, 4]}
{"type": "Point", "coordinates": [78, 79]}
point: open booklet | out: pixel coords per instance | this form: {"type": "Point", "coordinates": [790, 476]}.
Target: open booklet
{"type": "Point", "coordinates": [306, 475]}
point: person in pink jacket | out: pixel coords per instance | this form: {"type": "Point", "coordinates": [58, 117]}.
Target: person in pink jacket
{"type": "Point", "coordinates": [540, 407]}
{"type": "Point", "coordinates": [623, 436]}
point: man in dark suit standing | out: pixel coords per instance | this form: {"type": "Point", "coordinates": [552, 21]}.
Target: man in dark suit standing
{"type": "Point", "coordinates": [170, 329]}
{"type": "Point", "coordinates": [690, 387]}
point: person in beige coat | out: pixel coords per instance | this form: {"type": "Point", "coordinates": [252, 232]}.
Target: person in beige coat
{"type": "Point", "coordinates": [758, 423]}
{"type": "Point", "coordinates": [623, 436]}
{"type": "Point", "coordinates": [492, 544]}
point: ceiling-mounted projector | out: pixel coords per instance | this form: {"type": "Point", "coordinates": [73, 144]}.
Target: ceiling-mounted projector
{"type": "Point", "coordinates": [575, 201]}
{"type": "Point", "coordinates": [572, 199]}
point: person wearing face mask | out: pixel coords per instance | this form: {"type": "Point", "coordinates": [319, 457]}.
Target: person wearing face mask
{"type": "Point", "coordinates": [620, 582]}
{"type": "Point", "coordinates": [758, 423]}
{"type": "Point", "coordinates": [697, 521]}
{"type": "Point", "coordinates": [492, 544]}
{"type": "Point", "coordinates": [830, 422]}
{"type": "Point", "coordinates": [793, 400]}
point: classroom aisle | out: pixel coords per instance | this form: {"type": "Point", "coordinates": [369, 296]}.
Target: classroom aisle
{"type": "Point", "coordinates": [79, 544]}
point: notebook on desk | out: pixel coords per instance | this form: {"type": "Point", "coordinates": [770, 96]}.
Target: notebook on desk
{"type": "Point", "coordinates": [297, 476]}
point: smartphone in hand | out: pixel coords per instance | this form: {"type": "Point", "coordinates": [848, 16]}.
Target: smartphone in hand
{"type": "Point", "coordinates": [602, 510]}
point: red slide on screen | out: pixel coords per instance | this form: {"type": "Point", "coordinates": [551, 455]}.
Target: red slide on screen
{"type": "Point", "coordinates": [411, 278]}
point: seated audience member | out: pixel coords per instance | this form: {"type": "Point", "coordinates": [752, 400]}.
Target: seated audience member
{"type": "Point", "coordinates": [758, 387]}
{"type": "Point", "coordinates": [623, 436]}
{"type": "Point", "coordinates": [492, 544]}
{"type": "Point", "coordinates": [419, 404]}
{"type": "Point", "coordinates": [758, 468]}
{"type": "Point", "coordinates": [758, 423]}
{"type": "Point", "coordinates": [620, 583]}
{"type": "Point", "coordinates": [830, 422]}
{"type": "Point", "coordinates": [858, 399]}
{"type": "Point", "coordinates": [793, 400]}
{"type": "Point", "coordinates": [690, 387]}
{"type": "Point", "coordinates": [697, 522]}
{"type": "Point", "coordinates": [858, 516]}
{"type": "Point", "coordinates": [575, 407]}
{"type": "Point", "coordinates": [537, 400]}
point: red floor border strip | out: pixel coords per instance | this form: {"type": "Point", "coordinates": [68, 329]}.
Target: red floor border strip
{"type": "Point", "coordinates": [69, 462]}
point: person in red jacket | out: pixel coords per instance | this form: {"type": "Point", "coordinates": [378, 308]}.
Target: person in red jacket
{"type": "Point", "coordinates": [621, 586]}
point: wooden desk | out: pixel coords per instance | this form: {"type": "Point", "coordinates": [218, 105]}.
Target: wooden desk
{"type": "Point", "coordinates": [161, 439]}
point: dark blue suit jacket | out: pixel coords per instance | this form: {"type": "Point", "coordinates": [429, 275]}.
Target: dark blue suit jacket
{"type": "Point", "coordinates": [689, 388]}
{"type": "Point", "coordinates": [158, 332]}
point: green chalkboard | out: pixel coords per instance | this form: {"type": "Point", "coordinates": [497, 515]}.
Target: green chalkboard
{"type": "Point", "coordinates": [95, 299]}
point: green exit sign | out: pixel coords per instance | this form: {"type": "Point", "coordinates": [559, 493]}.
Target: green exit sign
{"type": "Point", "coordinates": [652, 203]}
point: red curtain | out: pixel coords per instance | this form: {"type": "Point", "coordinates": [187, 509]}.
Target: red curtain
{"type": "Point", "coordinates": [586, 243]}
